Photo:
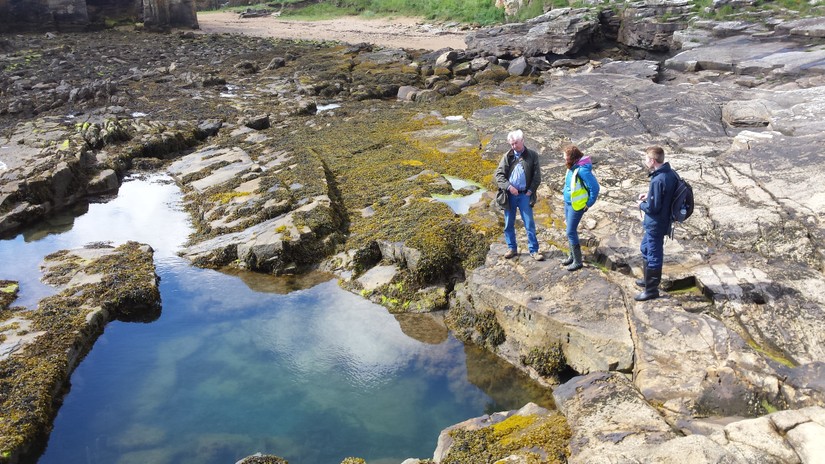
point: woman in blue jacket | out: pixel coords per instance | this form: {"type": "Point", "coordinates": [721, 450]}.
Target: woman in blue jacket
{"type": "Point", "coordinates": [580, 192]}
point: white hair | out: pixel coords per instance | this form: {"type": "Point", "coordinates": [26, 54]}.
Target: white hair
{"type": "Point", "coordinates": [515, 135]}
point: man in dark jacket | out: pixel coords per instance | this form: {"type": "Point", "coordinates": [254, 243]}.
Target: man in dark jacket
{"type": "Point", "coordinates": [656, 206]}
{"type": "Point", "coordinates": [519, 175]}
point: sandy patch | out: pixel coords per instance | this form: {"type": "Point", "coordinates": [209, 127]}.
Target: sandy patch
{"type": "Point", "coordinates": [396, 32]}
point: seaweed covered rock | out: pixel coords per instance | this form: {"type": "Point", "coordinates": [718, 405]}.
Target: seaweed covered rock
{"type": "Point", "coordinates": [8, 293]}
{"type": "Point", "coordinates": [41, 347]}
{"type": "Point", "coordinates": [269, 211]}
{"type": "Point", "coordinates": [532, 433]}
{"type": "Point", "coordinates": [260, 458]}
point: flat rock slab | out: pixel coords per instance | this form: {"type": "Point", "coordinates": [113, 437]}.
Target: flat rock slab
{"type": "Point", "coordinates": [693, 365]}
{"type": "Point", "coordinates": [746, 55]}
{"type": "Point", "coordinates": [611, 422]}
{"type": "Point", "coordinates": [377, 276]}
{"type": "Point", "coordinates": [540, 303]}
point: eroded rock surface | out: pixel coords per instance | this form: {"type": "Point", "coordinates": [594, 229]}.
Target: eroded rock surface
{"type": "Point", "coordinates": [612, 422]}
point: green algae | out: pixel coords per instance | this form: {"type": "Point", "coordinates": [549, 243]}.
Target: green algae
{"type": "Point", "coordinates": [772, 354]}
{"type": "Point", "coordinates": [547, 361]}
{"type": "Point", "coordinates": [536, 439]}
{"type": "Point", "coordinates": [8, 293]}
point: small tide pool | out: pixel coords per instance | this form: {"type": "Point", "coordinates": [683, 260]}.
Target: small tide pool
{"type": "Point", "coordinates": [240, 363]}
{"type": "Point", "coordinates": [460, 203]}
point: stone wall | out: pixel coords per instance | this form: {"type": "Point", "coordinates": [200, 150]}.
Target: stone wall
{"type": "Point", "coordinates": [78, 15]}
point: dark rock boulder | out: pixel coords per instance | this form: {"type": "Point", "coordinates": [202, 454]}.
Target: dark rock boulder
{"type": "Point", "coordinates": [562, 31]}
{"type": "Point", "coordinates": [643, 24]}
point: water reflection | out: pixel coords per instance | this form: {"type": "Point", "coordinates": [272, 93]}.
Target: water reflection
{"type": "Point", "coordinates": [458, 202]}
{"type": "Point", "coordinates": [508, 387]}
{"type": "Point", "coordinates": [266, 283]}
{"type": "Point", "coordinates": [426, 328]}
{"type": "Point", "coordinates": [145, 210]}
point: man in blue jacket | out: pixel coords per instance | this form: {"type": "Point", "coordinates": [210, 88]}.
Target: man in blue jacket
{"type": "Point", "coordinates": [656, 206]}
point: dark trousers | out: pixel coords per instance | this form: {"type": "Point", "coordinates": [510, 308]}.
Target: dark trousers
{"type": "Point", "coordinates": [653, 249]}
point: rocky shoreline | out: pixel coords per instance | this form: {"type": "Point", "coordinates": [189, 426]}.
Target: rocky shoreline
{"type": "Point", "coordinates": [728, 367]}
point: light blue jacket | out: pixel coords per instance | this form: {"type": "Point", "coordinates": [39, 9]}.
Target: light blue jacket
{"type": "Point", "coordinates": [585, 168]}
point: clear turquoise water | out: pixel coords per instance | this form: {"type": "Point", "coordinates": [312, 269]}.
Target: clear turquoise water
{"type": "Point", "coordinates": [240, 363]}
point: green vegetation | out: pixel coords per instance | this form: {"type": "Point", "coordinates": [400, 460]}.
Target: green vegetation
{"type": "Point", "coordinates": [484, 12]}
{"type": "Point", "coordinates": [788, 9]}
{"type": "Point", "coordinates": [465, 11]}
{"type": "Point", "coordinates": [537, 439]}
{"type": "Point", "coordinates": [548, 361]}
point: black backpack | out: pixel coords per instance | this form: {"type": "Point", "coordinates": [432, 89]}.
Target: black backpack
{"type": "Point", "coordinates": [682, 205]}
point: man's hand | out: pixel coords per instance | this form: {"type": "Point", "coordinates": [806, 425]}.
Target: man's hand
{"type": "Point", "coordinates": [642, 196]}
{"type": "Point", "coordinates": [512, 190]}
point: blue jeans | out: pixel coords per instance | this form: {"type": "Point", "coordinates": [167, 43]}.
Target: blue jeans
{"type": "Point", "coordinates": [653, 249]}
{"type": "Point", "coordinates": [572, 218]}
{"type": "Point", "coordinates": [522, 202]}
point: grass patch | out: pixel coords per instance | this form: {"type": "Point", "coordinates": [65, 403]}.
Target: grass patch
{"type": "Point", "coordinates": [320, 11]}
{"type": "Point", "coordinates": [481, 12]}
{"type": "Point", "coordinates": [787, 9]}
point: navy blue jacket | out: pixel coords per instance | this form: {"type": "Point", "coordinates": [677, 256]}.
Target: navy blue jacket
{"type": "Point", "coordinates": [659, 197]}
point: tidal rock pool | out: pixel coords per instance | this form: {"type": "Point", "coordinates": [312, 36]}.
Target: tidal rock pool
{"type": "Point", "coordinates": [240, 363]}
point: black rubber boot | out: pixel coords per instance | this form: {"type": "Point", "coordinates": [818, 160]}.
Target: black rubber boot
{"type": "Point", "coordinates": [569, 259]}
{"type": "Point", "coordinates": [652, 279]}
{"type": "Point", "coordinates": [577, 258]}
{"type": "Point", "coordinates": [641, 282]}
